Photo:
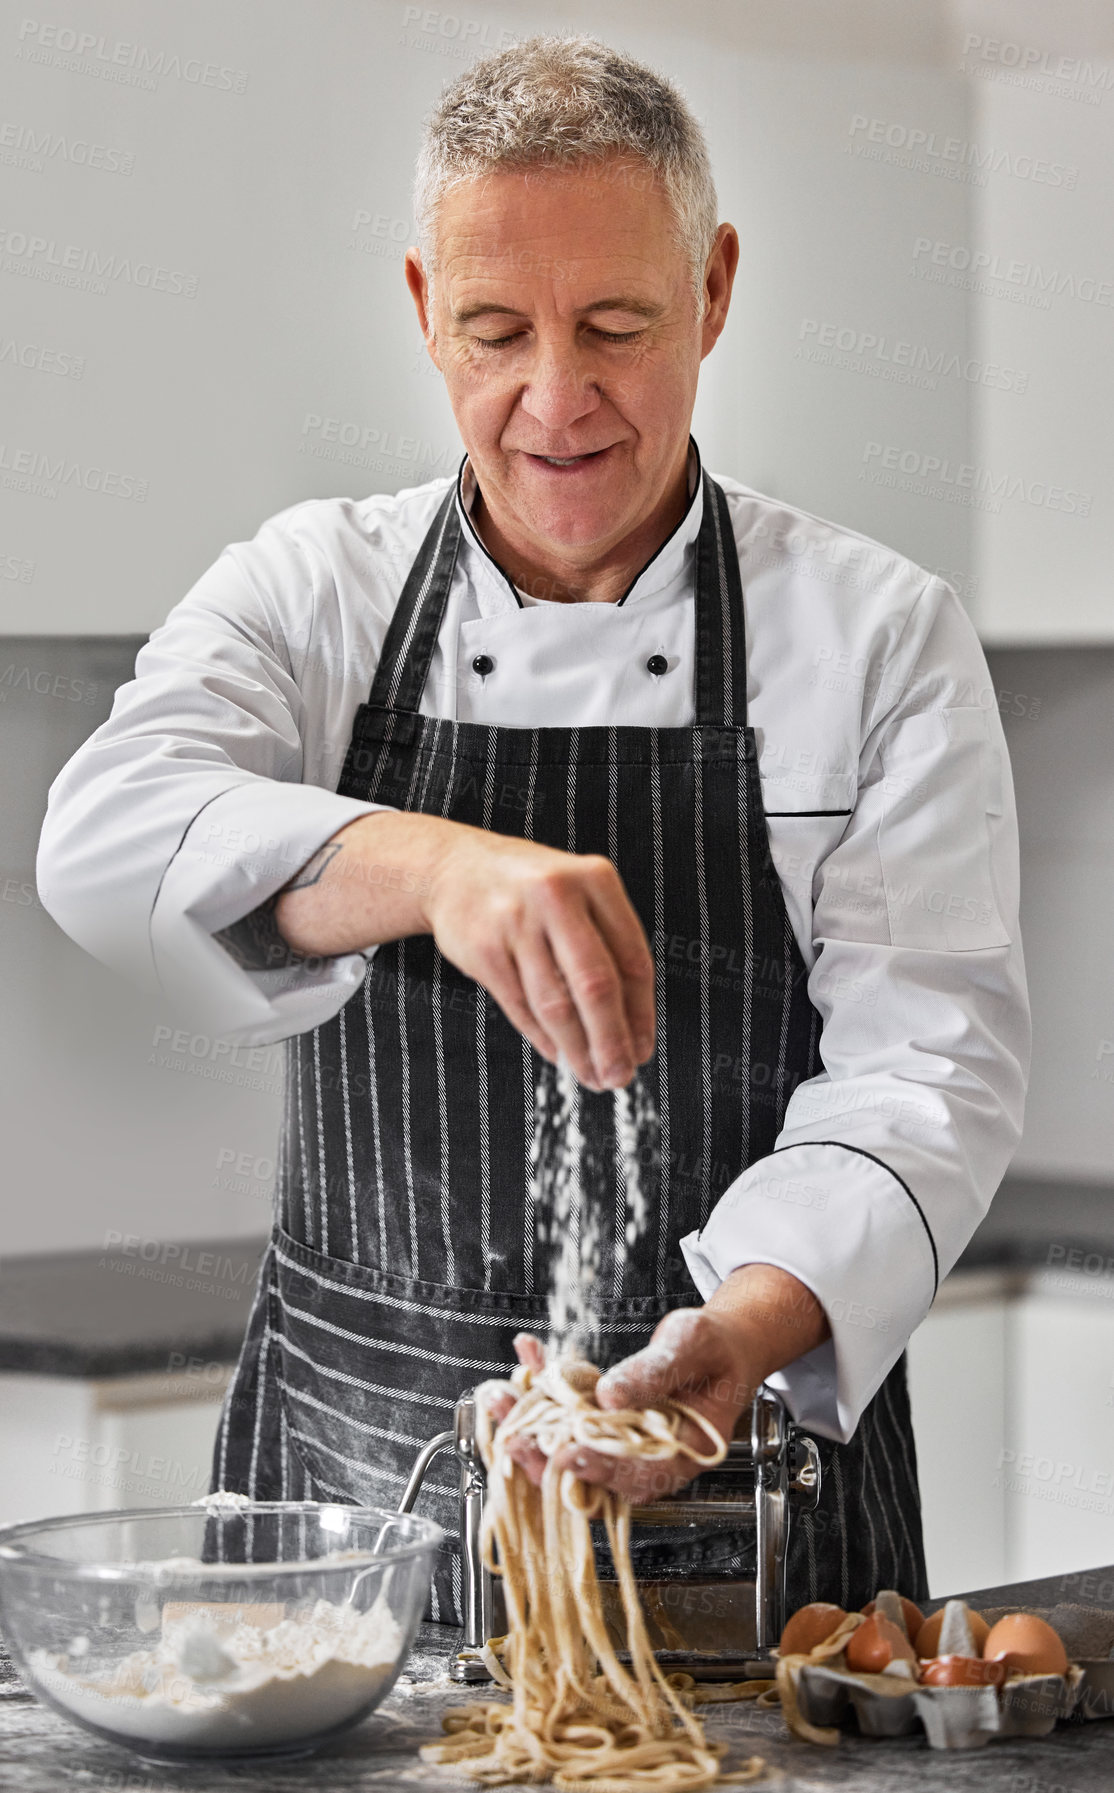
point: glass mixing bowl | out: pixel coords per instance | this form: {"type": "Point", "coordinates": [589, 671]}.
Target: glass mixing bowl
{"type": "Point", "coordinates": [218, 1630]}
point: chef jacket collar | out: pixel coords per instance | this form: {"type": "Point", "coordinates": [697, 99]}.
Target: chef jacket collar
{"type": "Point", "coordinates": [671, 563]}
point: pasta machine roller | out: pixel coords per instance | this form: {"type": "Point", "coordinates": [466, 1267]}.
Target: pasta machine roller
{"type": "Point", "coordinates": [713, 1627]}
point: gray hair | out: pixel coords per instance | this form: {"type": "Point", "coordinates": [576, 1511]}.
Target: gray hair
{"type": "Point", "coordinates": [559, 102]}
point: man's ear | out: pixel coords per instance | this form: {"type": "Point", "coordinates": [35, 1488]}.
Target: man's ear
{"type": "Point", "coordinates": [420, 293]}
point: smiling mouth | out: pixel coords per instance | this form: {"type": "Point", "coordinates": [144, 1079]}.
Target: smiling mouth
{"type": "Point", "coordinates": [574, 460]}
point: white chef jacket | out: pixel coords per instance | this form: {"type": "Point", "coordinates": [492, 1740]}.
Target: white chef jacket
{"type": "Point", "coordinates": [214, 780]}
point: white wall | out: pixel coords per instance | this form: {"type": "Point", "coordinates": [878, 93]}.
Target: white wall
{"type": "Point", "coordinates": [107, 1128]}
{"type": "Point", "coordinates": [277, 203]}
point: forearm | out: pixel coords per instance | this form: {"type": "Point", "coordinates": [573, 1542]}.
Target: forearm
{"type": "Point", "coordinates": [367, 884]}
{"type": "Point", "coordinates": [772, 1317]}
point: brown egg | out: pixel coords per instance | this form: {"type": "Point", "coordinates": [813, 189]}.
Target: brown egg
{"type": "Point", "coordinates": [961, 1671]}
{"type": "Point", "coordinates": [809, 1627]}
{"type": "Point", "coordinates": [911, 1612]}
{"type": "Point", "coordinates": [1025, 1643]}
{"type": "Point", "coordinates": [876, 1643]}
{"type": "Point", "coordinates": [927, 1639]}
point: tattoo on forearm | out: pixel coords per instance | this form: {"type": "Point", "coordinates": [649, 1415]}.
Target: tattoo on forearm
{"type": "Point", "coordinates": [314, 869]}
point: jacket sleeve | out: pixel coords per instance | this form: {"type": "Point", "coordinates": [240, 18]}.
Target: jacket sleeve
{"type": "Point", "coordinates": [888, 1160]}
{"type": "Point", "coordinates": [186, 811]}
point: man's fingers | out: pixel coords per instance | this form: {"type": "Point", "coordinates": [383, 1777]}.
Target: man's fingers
{"type": "Point", "coordinates": [552, 1003]}
{"type": "Point", "coordinates": [496, 1396]}
{"type": "Point", "coordinates": [594, 982]}
{"type": "Point", "coordinates": [671, 1367]}
{"type": "Point", "coordinates": [526, 1453]}
{"type": "Point", "coordinates": [626, 940]}
{"type": "Point", "coordinates": [502, 980]}
{"type": "Point", "coordinates": [529, 1350]}
{"type": "Point", "coordinates": [639, 1381]}
{"type": "Point", "coordinates": [636, 1479]}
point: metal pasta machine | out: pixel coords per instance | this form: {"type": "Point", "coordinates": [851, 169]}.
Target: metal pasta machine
{"type": "Point", "coordinates": [712, 1627]}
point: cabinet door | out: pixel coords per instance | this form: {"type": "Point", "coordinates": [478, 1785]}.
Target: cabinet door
{"type": "Point", "coordinates": [957, 1379]}
{"type": "Point", "coordinates": [77, 1446]}
{"type": "Point", "coordinates": [1057, 1469]}
{"type": "Point", "coordinates": [156, 1456]}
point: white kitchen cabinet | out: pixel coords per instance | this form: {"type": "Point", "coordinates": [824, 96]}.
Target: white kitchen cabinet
{"type": "Point", "coordinates": [1012, 1382]}
{"type": "Point", "coordinates": [958, 1378]}
{"type": "Point", "coordinates": [1058, 1473]}
{"type": "Point", "coordinates": [77, 1445]}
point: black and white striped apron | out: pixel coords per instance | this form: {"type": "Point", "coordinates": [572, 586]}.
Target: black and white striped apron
{"type": "Point", "coordinates": [406, 1253]}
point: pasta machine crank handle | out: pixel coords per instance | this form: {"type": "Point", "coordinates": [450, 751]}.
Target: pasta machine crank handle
{"type": "Point", "coordinates": [476, 1593]}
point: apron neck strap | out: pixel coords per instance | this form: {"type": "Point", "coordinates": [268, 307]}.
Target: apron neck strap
{"type": "Point", "coordinates": [721, 674]}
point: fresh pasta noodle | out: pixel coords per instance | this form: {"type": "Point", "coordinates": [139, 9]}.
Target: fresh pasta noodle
{"type": "Point", "coordinates": [578, 1716]}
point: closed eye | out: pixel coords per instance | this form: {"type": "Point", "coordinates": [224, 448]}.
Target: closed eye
{"type": "Point", "coordinates": [500, 342]}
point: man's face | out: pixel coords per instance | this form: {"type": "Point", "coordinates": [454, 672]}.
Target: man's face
{"type": "Point", "coordinates": [564, 327]}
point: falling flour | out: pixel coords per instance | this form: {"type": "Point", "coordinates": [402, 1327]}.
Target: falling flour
{"type": "Point", "coordinates": [568, 1190]}
{"type": "Point", "coordinates": [239, 1685]}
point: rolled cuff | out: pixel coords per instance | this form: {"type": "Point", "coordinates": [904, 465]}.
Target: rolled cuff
{"type": "Point", "coordinates": [846, 1227]}
{"type": "Point", "coordinates": [240, 849]}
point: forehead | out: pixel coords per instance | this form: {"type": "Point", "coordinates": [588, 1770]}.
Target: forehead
{"type": "Point", "coordinates": [615, 207]}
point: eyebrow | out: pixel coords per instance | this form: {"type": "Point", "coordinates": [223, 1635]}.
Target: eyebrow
{"type": "Point", "coordinates": [644, 308]}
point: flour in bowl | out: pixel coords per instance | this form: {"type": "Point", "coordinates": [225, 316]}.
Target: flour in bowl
{"type": "Point", "coordinates": [217, 1685]}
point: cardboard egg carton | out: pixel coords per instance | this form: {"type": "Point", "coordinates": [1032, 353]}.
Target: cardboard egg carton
{"type": "Point", "coordinates": [892, 1705]}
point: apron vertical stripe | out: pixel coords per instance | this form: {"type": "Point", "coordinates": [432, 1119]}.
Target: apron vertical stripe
{"type": "Point", "coordinates": [892, 1501]}
{"type": "Point", "coordinates": [404, 1072]}
{"type": "Point", "coordinates": [448, 1255]}
{"type": "Point", "coordinates": [574, 1120]}
{"type": "Point", "coordinates": [661, 1022]}
{"type": "Point", "coordinates": [353, 1222]}
{"type": "Point", "coordinates": [481, 1059]}
{"type": "Point", "coordinates": [404, 1064]}
{"type": "Point", "coordinates": [618, 1159]}
{"type": "Point", "coordinates": [373, 1107]}
{"type": "Point", "coordinates": [382, 760]}
{"type": "Point", "coordinates": [746, 901]}
{"type": "Point", "coordinates": [282, 1155]}
{"type": "Point", "coordinates": [705, 988]}
{"type": "Point", "coordinates": [889, 1424]}
{"type": "Point", "coordinates": [323, 1203]}
{"type": "Point", "coordinates": [307, 1192]}
{"type": "Point", "coordinates": [864, 1504]}
{"type": "Point", "coordinates": [260, 1405]}
{"type": "Point", "coordinates": [529, 1205]}
{"type": "Point", "coordinates": [221, 1464]}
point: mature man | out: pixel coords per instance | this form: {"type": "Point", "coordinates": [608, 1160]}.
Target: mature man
{"type": "Point", "coordinates": [435, 783]}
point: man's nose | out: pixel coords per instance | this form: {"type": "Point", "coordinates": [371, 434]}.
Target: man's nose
{"type": "Point", "coordinates": [559, 391]}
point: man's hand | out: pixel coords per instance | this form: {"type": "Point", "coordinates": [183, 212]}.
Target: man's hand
{"type": "Point", "coordinates": [552, 936]}
{"type": "Point", "coordinates": [712, 1359]}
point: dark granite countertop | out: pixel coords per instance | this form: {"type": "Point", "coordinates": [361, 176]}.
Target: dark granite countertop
{"type": "Point", "coordinates": [146, 1304]}
{"type": "Point", "coordinates": [142, 1305]}
{"type": "Point", "coordinates": [41, 1753]}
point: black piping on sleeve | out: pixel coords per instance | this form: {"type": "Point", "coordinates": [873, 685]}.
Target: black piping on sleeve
{"type": "Point", "coordinates": [879, 1161]}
